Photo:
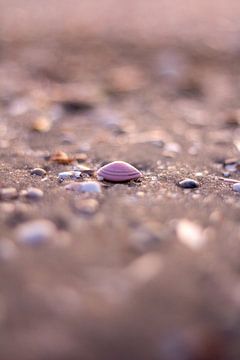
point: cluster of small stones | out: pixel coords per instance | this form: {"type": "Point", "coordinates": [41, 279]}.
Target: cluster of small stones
{"type": "Point", "coordinates": [38, 232]}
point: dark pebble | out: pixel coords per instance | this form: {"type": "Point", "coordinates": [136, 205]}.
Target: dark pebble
{"type": "Point", "coordinates": [188, 184]}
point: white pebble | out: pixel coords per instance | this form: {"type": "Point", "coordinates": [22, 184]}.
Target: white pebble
{"type": "Point", "coordinates": [35, 232]}
{"type": "Point", "coordinates": [82, 187]}
{"type": "Point", "coordinates": [236, 187]}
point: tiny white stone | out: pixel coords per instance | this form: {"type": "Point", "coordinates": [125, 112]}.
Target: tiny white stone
{"type": "Point", "coordinates": [190, 234]}
{"type": "Point", "coordinates": [35, 232]}
{"type": "Point", "coordinates": [75, 174]}
{"type": "Point", "coordinates": [236, 187]}
{"type": "Point", "coordinates": [86, 186]}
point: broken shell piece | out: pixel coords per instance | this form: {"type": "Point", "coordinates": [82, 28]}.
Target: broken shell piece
{"type": "Point", "coordinates": [86, 186]}
{"type": "Point", "coordinates": [118, 171]}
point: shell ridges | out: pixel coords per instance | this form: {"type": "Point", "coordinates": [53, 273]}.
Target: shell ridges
{"type": "Point", "coordinates": [119, 171]}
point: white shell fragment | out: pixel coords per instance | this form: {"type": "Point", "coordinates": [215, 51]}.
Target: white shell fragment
{"type": "Point", "coordinates": [83, 187]}
{"type": "Point", "coordinates": [190, 234]}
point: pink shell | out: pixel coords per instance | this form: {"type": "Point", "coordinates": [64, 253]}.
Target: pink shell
{"type": "Point", "coordinates": [118, 171]}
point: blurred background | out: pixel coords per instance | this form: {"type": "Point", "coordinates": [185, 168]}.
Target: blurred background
{"type": "Point", "coordinates": [214, 23]}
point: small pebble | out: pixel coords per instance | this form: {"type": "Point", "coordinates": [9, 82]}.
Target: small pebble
{"type": "Point", "coordinates": [41, 125]}
{"type": "Point", "coordinates": [231, 165]}
{"type": "Point", "coordinates": [32, 193]}
{"type": "Point", "coordinates": [35, 232]}
{"type": "Point", "coordinates": [90, 187]}
{"type": "Point", "coordinates": [188, 184]}
{"type": "Point", "coordinates": [8, 194]}
{"type": "Point", "coordinates": [190, 234]}
{"type": "Point", "coordinates": [86, 206]}
{"type": "Point", "coordinates": [236, 187]}
{"type": "Point", "coordinates": [38, 172]}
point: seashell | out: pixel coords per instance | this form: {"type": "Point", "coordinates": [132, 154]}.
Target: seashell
{"type": "Point", "coordinates": [82, 187]}
{"type": "Point", "coordinates": [118, 171]}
